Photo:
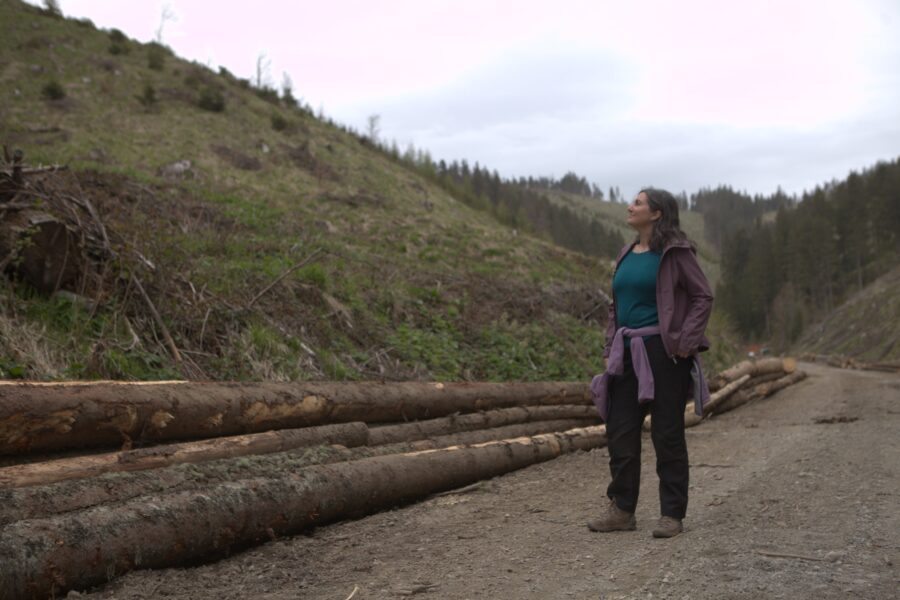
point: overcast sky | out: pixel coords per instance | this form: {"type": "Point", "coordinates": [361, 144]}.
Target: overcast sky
{"type": "Point", "coordinates": [677, 94]}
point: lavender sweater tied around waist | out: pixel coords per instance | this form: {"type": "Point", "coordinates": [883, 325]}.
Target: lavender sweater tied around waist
{"type": "Point", "coordinates": [699, 390]}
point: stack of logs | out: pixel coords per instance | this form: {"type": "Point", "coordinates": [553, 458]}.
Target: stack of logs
{"type": "Point", "coordinates": [264, 460]}
{"type": "Point", "coordinates": [848, 362]}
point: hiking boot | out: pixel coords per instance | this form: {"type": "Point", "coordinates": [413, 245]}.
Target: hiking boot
{"type": "Point", "coordinates": [613, 519]}
{"type": "Point", "coordinates": [667, 527]}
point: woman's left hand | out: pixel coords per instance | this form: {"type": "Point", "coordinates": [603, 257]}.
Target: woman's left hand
{"type": "Point", "coordinates": [680, 355]}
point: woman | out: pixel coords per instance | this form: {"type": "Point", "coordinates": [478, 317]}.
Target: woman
{"type": "Point", "coordinates": [661, 305]}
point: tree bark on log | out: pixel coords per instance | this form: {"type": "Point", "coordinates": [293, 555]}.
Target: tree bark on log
{"type": "Point", "coordinates": [41, 500]}
{"type": "Point", "coordinates": [480, 436]}
{"type": "Point", "coordinates": [761, 366]}
{"type": "Point", "coordinates": [44, 557]}
{"type": "Point", "coordinates": [80, 467]}
{"type": "Point", "coordinates": [106, 414]}
{"type": "Point", "coordinates": [406, 432]}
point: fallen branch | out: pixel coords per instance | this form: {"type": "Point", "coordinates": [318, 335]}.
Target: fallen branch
{"type": "Point", "coordinates": [173, 349]}
{"type": "Point", "coordinates": [287, 272]}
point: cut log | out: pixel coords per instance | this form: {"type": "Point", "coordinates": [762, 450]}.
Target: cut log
{"type": "Point", "coordinates": [691, 418]}
{"type": "Point", "coordinates": [43, 557]}
{"type": "Point", "coordinates": [40, 249]}
{"type": "Point", "coordinates": [407, 432]}
{"type": "Point", "coordinates": [761, 390]}
{"type": "Point", "coordinates": [45, 499]}
{"type": "Point", "coordinates": [480, 436]}
{"type": "Point", "coordinates": [770, 387]}
{"type": "Point", "coordinates": [62, 416]}
{"type": "Point", "coordinates": [757, 379]}
{"type": "Point", "coordinates": [753, 368]}
{"type": "Point", "coordinates": [111, 489]}
{"type": "Point", "coordinates": [79, 467]}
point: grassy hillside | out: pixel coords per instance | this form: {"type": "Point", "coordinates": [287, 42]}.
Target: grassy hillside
{"type": "Point", "coordinates": [865, 327]}
{"type": "Point", "coordinates": [404, 280]}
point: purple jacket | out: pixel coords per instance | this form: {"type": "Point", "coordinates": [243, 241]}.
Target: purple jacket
{"type": "Point", "coordinates": [683, 301]}
{"type": "Point", "coordinates": [615, 366]}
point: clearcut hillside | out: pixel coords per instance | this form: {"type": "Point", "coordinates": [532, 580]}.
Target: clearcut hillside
{"type": "Point", "coordinates": [290, 248]}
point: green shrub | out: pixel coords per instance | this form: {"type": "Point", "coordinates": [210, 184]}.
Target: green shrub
{"type": "Point", "coordinates": [53, 90]}
{"type": "Point", "coordinates": [156, 57]}
{"type": "Point", "coordinates": [279, 123]}
{"type": "Point", "coordinates": [52, 9]}
{"type": "Point", "coordinates": [314, 274]}
{"type": "Point", "coordinates": [268, 94]}
{"type": "Point", "coordinates": [10, 369]}
{"type": "Point", "coordinates": [287, 96]}
{"type": "Point", "coordinates": [116, 35]}
{"type": "Point", "coordinates": [118, 42]}
{"type": "Point", "coordinates": [211, 99]}
{"type": "Point", "coordinates": [148, 97]}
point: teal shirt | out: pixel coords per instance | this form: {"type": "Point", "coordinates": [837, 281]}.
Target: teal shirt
{"type": "Point", "coordinates": [634, 291]}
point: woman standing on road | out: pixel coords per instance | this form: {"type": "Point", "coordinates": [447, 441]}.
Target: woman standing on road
{"type": "Point", "coordinates": [661, 305]}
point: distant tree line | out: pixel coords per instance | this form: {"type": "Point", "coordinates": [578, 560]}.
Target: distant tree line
{"type": "Point", "coordinates": [726, 211]}
{"type": "Point", "coordinates": [783, 274]}
{"type": "Point", "coordinates": [522, 206]}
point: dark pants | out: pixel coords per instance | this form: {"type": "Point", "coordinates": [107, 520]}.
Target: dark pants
{"type": "Point", "coordinates": [623, 429]}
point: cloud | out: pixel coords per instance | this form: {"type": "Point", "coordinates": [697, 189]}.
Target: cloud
{"type": "Point", "coordinates": [518, 89]}
{"type": "Point", "coordinates": [678, 94]}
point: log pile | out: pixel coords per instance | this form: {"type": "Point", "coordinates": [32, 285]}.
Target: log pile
{"type": "Point", "coordinates": [847, 362]}
{"type": "Point", "coordinates": [241, 464]}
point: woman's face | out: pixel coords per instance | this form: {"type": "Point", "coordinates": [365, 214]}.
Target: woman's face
{"type": "Point", "coordinates": [639, 213]}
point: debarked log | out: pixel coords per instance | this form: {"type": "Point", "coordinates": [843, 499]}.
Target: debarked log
{"type": "Point", "coordinates": [417, 430]}
{"type": "Point", "coordinates": [49, 556]}
{"type": "Point", "coordinates": [79, 467]}
{"type": "Point", "coordinates": [753, 368]}
{"type": "Point", "coordinates": [47, 417]}
{"type": "Point", "coordinates": [760, 390]}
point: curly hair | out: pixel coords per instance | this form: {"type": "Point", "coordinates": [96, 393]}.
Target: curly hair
{"type": "Point", "coordinates": [667, 228]}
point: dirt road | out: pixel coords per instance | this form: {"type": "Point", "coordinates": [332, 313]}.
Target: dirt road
{"type": "Point", "coordinates": [781, 506]}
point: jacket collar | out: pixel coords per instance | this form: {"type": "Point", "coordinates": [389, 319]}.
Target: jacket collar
{"type": "Point", "coordinates": [672, 244]}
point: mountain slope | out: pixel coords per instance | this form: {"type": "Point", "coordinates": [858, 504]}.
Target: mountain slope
{"type": "Point", "coordinates": [865, 327]}
{"type": "Point", "coordinates": [402, 280]}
